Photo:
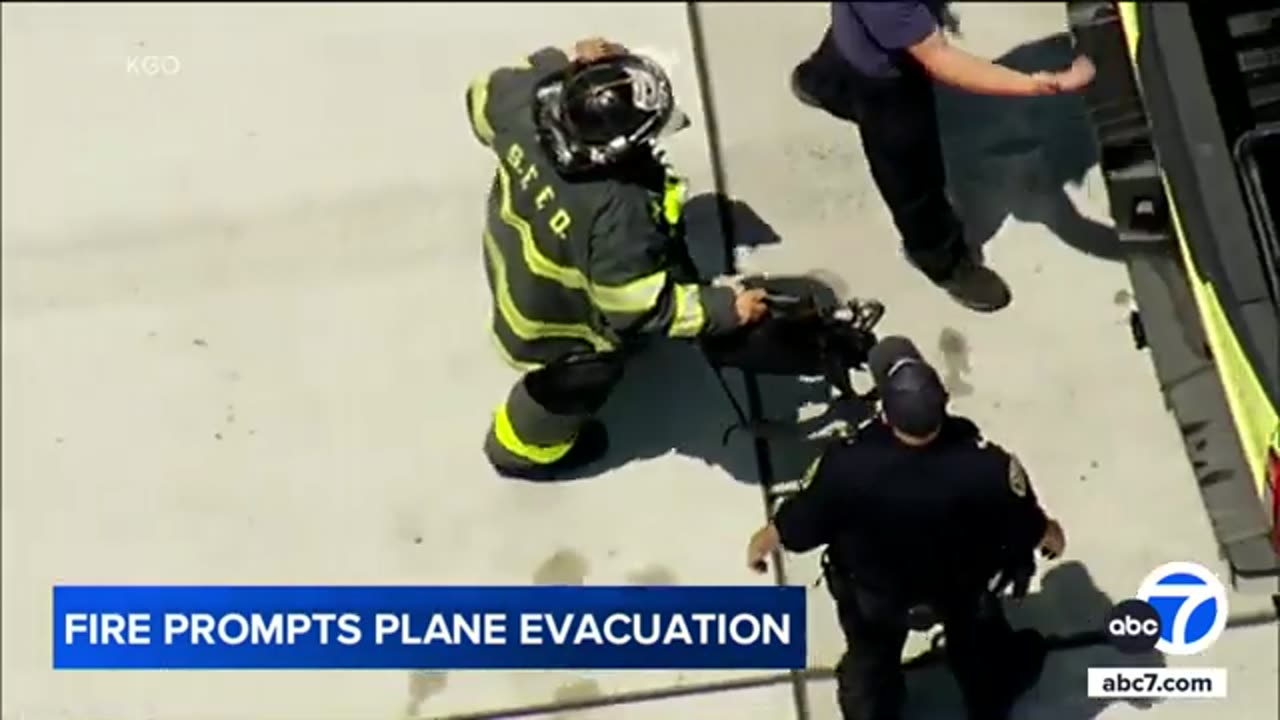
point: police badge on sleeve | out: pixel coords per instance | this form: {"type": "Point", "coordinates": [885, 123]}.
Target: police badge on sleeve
{"type": "Point", "coordinates": [1017, 477]}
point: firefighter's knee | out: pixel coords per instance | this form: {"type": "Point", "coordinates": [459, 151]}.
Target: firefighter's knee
{"type": "Point", "coordinates": [524, 433]}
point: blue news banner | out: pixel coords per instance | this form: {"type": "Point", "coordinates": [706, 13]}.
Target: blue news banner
{"type": "Point", "coordinates": [440, 628]}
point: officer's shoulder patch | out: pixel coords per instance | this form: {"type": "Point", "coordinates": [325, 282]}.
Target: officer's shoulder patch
{"type": "Point", "coordinates": [834, 446]}
{"type": "Point", "coordinates": [1017, 476]}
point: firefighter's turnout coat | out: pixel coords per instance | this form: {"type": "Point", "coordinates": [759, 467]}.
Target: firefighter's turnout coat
{"type": "Point", "coordinates": [578, 265]}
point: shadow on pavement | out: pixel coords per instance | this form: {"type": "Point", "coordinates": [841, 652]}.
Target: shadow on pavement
{"type": "Point", "coordinates": [670, 402]}
{"type": "Point", "coordinates": [1068, 600]}
{"type": "Point", "coordinates": [1011, 157]}
{"type": "Point", "coordinates": [706, 244]}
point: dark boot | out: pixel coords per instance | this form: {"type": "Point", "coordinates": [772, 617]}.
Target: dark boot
{"type": "Point", "coordinates": [976, 287]}
{"type": "Point", "coordinates": [591, 445]}
{"type": "Point", "coordinates": [952, 265]}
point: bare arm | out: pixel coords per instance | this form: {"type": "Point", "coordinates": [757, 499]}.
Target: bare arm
{"type": "Point", "coordinates": [953, 66]}
{"type": "Point", "coordinates": [803, 522]}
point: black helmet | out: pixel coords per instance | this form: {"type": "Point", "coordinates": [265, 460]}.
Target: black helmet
{"type": "Point", "coordinates": [592, 115]}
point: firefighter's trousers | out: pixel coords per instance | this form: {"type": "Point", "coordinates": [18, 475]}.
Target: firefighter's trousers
{"type": "Point", "coordinates": [540, 420]}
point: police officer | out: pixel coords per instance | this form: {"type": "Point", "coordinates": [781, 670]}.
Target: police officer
{"type": "Point", "coordinates": [583, 244]}
{"type": "Point", "coordinates": [917, 509]}
{"type": "Point", "coordinates": [876, 66]}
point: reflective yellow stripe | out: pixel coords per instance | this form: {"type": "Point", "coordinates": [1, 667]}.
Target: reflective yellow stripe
{"type": "Point", "coordinates": [507, 436]}
{"type": "Point", "coordinates": [479, 101]}
{"type": "Point", "coordinates": [673, 195]}
{"type": "Point", "coordinates": [689, 317]}
{"type": "Point", "coordinates": [524, 327]}
{"type": "Point", "coordinates": [508, 358]}
{"type": "Point", "coordinates": [637, 296]}
{"type": "Point", "coordinates": [1251, 412]}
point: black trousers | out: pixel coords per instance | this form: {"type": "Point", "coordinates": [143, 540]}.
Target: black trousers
{"type": "Point", "coordinates": [986, 656]}
{"type": "Point", "coordinates": [898, 121]}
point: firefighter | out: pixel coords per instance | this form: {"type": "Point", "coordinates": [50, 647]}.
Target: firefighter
{"type": "Point", "coordinates": [583, 244]}
{"type": "Point", "coordinates": [917, 510]}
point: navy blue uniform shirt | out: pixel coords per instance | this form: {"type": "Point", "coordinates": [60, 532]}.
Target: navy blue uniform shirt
{"type": "Point", "coordinates": [924, 522]}
{"type": "Point", "coordinates": [873, 36]}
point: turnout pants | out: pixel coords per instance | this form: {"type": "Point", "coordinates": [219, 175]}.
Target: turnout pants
{"type": "Point", "coordinates": [898, 122]}
{"type": "Point", "coordinates": [989, 660]}
{"type": "Point", "coordinates": [539, 422]}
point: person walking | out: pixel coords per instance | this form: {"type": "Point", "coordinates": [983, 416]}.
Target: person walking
{"type": "Point", "coordinates": [876, 66]}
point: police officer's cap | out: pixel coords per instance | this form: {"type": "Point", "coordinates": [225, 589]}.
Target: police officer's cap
{"type": "Point", "coordinates": [912, 395]}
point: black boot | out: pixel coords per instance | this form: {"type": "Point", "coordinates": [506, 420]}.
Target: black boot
{"type": "Point", "coordinates": [591, 445]}
{"type": "Point", "coordinates": [977, 287]}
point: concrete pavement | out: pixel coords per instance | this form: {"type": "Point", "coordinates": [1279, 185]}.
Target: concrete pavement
{"type": "Point", "coordinates": [244, 342]}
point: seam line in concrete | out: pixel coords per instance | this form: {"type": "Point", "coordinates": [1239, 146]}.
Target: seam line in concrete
{"type": "Point", "coordinates": [719, 179]}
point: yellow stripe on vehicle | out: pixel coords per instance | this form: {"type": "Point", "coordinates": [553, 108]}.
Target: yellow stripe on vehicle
{"type": "Point", "coordinates": [636, 296]}
{"type": "Point", "coordinates": [1251, 411]}
{"type": "Point", "coordinates": [1255, 417]}
{"type": "Point", "coordinates": [526, 328]}
{"type": "Point", "coordinates": [507, 437]}
{"type": "Point", "coordinates": [1129, 21]}
{"type": "Point", "coordinates": [689, 316]}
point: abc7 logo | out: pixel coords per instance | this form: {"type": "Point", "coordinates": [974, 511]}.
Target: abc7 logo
{"type": "Point", "coordinates": [1134, 626]}
{"type": "Point", "coordinates": [1181, 609]}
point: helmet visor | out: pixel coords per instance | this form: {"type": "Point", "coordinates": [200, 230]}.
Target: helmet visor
{"type": "Point", "coordinates": [676, 122]}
